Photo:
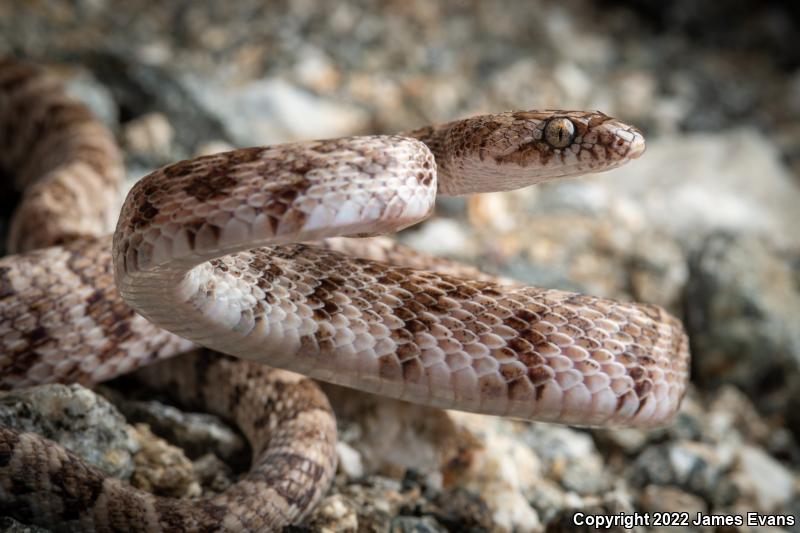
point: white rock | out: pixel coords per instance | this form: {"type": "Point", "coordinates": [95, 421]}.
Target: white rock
{"type": "Point", "coordinates": [440, 236]}
{"type": "Point", "coordinates": [150, 135]}
{"type": "Point", "coordinates": [349, 460]}
{"type": "Point", "coordinates": [502, 471]}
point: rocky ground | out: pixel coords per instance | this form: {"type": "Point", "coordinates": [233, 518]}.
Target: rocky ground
{"type": "Point", "coordinates": [704, 224]}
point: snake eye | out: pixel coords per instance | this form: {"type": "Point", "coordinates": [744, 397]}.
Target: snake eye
{"type": "Point", "coordinates": [559, 132]}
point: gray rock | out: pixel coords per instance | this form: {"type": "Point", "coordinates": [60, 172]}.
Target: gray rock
{"type": "Point", "coordinates": [334, 513]}
{"type": "Point", "coordinates": [148, 139]}
{"type": "Point", "coordinates": [763, 480]}
{"type": "Point", "coordinates": [140, 88]}
{"type": "Point", "coordinates": [577, 517]}
{"type": "Point", "coordinates": [272, 111]}
{"type": "Point", "coordinates": [78, 419]}
{"type": "Point", "coordinates": [743, 307]}
{"type": "Point", "coordinates": [569, 457]}
{"type": "Point", "coordinates": [162, 468]}
{"type": "Point", "coordinates": [413, 524]}
{"type": "Point", "coordinates": [730, 416]}
{"type": "Point", "coordinates": [459, 508]}
{"type": "Point", "coordinates": [196, 433]}
{"type": "Point", "coordinates": [699, 468]}
{"type": "Point", "coordinates": [688, 186]}
{"type": "Point", "coordinates": [214, 475]}
{"type": "Point", "coordinates": [443, 237]}
{"type": "Point", "coordinates": [666, 499]}
{"type": "Point", "coordinates": [375, 499]}
{"type": "Point", "coordinates": [9, 525]}
{"type": "Point", "coordinates": [84, 87]}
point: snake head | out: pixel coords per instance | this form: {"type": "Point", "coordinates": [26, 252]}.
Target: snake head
{"type": "Point", "coordinates": [515, 149]}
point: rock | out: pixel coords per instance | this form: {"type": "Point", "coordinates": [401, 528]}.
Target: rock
{"type": "Point", "coordinates": [315, 70]}
{"type": "Point", "coordinates": [666, 499]}
{"type": "Point", "coordinates": [375, 501]}
{"type": "Point", "coordinates": [731, 416]}
{"type": "Point", "coordinates": [334, 514]}
{"type": "Point", "coordinates": [391, 437]}
{"type": "Point", "coordinates": [549, 499]}
{"type": "Point", "coordinates": [523, 84]}
{"type": "Point", "coordinates": [9, 525]}
{"type": "Point", "coordinates": [349, 460]}
{"type": "Point", "coordinates": [583, 517]}
{"type": "Point", "coordinates": [140, 88]}
{"type": "Point", "coordinates": [440, 452]}
{"type": "Point", "coordinates": [763, 480]}
{"type": "Point", "coordinates": [78, 419]}
{"type": "Point", "coordinates": [569, 457]}
{"type": "Point", "coordinates": [459, 508]}
{"type": "Point", "coordinates": [440, 236]}
{"type": "Point", "coordinates": [86, 88]}
{"type": "Point", "coordinates": [149, 138]}
{"type": "Point", "coordinates": [743, 304]}
{"type": "Point", "coordinates": [658, 272]}
{"type": "Point", "coordinates": [196, 433]}
{"type": "Point", "coordinates": [212, 473]}
{"type": "Point", "coordinates": [413, 524]}
{"type": "Point", "coordinates": [697, 467]}
{"type": "Point", "coordinates": [161, 468]}
{"type": "Point", "coordinates": [212, 147]}
{"type": "Point", "coordinates": [500, 470]}
{"type": "Point", "coordinates": [272, 111]}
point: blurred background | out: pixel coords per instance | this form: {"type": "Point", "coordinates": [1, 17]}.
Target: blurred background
{"type": "Point", "coordinates": [706, 223]}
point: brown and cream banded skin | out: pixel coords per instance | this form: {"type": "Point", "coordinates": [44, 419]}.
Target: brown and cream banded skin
{"type": "Point", "coordinates": [209, 249]}
{"type": "Point", "coordinates": [60, 156]}
{"type": "Point", "coordinates": [284, 416]}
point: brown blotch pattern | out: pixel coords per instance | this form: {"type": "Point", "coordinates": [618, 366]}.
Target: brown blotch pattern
{"type": "Point", "coordinates": [526, 332]}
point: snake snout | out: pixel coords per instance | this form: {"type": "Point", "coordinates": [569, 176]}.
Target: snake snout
{"type": "Point", "coordinates": [638, 145]}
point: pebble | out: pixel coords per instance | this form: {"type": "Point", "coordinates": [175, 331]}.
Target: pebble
{"type": "Point", "coordinates": [9, 525]}
{"type": "Point", "coordinates": [149, 137]}
{"type": "Point", "coordinates": [658, 499]}
{"type": "Point", "coordinates": [762, 479]}
{"type": "Point", "coordinates": [570, 457]}
{"type": "Point", "coordinates": [162, 468]}
{"type": "Point", "coordinates": [349, 460]}
{"type": "Point", "coordinates": [440, 236]}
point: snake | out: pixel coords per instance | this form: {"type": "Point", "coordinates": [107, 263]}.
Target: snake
{"type": "Point", "coordinates": [274, 259]}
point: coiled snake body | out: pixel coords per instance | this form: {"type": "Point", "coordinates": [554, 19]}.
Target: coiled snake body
{"type": "Point", "coordinates": [208, 249]}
